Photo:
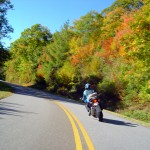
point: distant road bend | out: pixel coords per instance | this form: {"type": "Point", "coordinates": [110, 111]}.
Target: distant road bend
{"type": "Point", "coordinates": [34, 120]}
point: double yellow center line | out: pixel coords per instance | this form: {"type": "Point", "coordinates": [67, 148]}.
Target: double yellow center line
{"type": "Point", "coordinates": [74, 119]}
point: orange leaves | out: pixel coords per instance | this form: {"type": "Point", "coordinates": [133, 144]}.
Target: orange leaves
{"type": "Point", "coordinates": [106, 45]}
{"type": "Point", "coordinates": [41, 75]}
{"type": "Point", "coordinates": [39, 66]}
{"type": "Point", "coordinates": [124, 28]}
{"type": "Point", "coordinates": [127, 18]}
{"type": "Point", "coordinates": [39, 71]}
{"type": "Point", "coordinates": [113, 46]}
{"type": "Point", "coordinates": [82, 54]}
{"type": "Point", "coordinates": [124, 33]}
{"type": "Point", "coordinates": [111, 22]}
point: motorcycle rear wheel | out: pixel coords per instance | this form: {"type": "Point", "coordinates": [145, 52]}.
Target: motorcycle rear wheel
{"type": "Point", "coordinates": [100, 116]}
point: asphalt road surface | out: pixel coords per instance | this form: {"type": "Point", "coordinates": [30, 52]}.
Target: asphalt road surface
{"type": "Point", "coordinates": [35, 120]}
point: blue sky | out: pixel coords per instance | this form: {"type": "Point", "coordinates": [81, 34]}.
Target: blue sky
{"type": "Point", "coordinates": [49, 13]}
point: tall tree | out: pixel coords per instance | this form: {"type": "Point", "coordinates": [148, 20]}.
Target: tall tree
{"type": "Point", "coordinates": [128, 5]}
{"type": "Point", "coordinates": [59, 49]}
{"type": "Point", "coordinates": [57, 53]}
{"type": "Point", "coordinates": [26, 52]}
{"type": "Point", "coordinates": [5, 29]}
{"type": "Point", "coordinates": [88, 27]}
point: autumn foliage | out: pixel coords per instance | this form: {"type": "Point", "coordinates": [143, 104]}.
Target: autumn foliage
{"type": "Point", "coordinates": [110, 49]}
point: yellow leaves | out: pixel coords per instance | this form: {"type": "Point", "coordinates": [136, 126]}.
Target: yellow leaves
{"type": "Point", "coordinates": [148, 84]}
{"type": "Point", "coordinates": [21, 46]}
{"type": "Point", "coordinates": [74, 44]}
{"type": "Point", "coordinates": [95, 66]}
{"type": "Point", "coordinates": [66, 73]}
{"type": "Point", "coordinates": [115, 14]}
{"type": "Point", "coordinates": [112, 21]}
{"type": "Point", "coordinates": [124, 28]}
{"type": "Point", "coordinates": [81, 54]}
{"type": "Point", "coordinates": [64, 70]}
{"type": "Point", "coordinates": [91, 68]}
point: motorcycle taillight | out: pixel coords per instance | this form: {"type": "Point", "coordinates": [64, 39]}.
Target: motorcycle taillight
{"type": "Point", "coordinates": [95, 101]}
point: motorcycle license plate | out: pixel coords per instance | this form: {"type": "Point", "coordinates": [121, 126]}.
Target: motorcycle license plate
{"type": "Point", "coordinates": [95, 104]}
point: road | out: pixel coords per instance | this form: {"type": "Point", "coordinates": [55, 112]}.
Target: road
{"type": "Point", "coordinates": [34, 120]}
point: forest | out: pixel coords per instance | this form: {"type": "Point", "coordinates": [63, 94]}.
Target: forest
{"type": "Point", "coordinates": [110, 49]}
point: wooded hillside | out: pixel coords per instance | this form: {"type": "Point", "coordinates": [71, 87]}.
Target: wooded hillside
{"type": "Point", "coordinates": [110, 49]}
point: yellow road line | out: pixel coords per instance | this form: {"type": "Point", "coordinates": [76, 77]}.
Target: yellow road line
{"type": "Point", "coordinates": [75, 130]}
{"type": "Point", "coordinates": [85, 135]}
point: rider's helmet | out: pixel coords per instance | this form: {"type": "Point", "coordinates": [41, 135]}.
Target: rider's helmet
{"type": "Point", "coordinates": [87, 86]}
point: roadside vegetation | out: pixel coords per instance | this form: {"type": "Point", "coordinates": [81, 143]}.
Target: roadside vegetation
{"type": "Point", "coordinates": [5, 29]}
{"type": "Point", "coordinates": [5, 90]}
{"type": "Point", "coordinates": [110, 49]}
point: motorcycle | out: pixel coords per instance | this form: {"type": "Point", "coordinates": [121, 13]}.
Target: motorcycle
{"type": "Point", "coordinates": [95, 108]}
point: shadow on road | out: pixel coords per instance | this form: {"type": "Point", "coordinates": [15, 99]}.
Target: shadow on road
{"type": "Point", "coordinates": [40, 94]}
{"type": "Point", "coordinates": [48, 96]}
{"type": "Point", "coordinates": [11, 109]}
{"type": "Point", "coordinates": [15, 109]}
{"type": "Point", "coordinates": [118, 122]}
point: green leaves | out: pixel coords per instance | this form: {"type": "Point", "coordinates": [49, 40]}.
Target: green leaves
{"type": "Point", "coordinates": [27, 50]}
{"type": "Point", "coordinates": [111, 49]}
{"type": "Point", "coordinates": [5, 28]}
{"type": "Point", "coordinates": [59, 48]}
{"type": "Point", "coordinates": [128, 5]}
{"type": "Point", "coordinates": [88, 26]}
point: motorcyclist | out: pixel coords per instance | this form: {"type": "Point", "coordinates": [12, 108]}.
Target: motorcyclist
{"type": "Point", "coordinates": [88, 90]}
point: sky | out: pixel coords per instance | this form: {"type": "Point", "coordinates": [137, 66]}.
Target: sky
{"type": "Point", "coordinates": [52, 14]}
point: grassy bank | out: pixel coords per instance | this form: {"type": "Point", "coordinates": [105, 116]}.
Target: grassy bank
{"type": "Point", "coordinates": [138, 111]}
{"type": "Point", "coordinates": [5, 90]}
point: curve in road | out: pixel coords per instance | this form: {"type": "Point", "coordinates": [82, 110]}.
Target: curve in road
{"type": "Point", "coordinates": [73, 118]}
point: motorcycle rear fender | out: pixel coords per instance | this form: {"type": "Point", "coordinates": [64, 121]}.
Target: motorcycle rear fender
{"type": "Point", "coordinates": [98, 109]}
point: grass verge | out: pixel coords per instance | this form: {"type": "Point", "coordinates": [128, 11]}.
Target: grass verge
{"type": "Point", "coordinates": [137, 112]}
{"type": "Point", "coordinates": [5, 90]}
{"type": "Point", "coordinates": [143, 123]}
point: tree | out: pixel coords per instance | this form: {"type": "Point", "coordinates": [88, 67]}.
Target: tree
{"type": "Point", "coordinates": [128, 5]}
{"type": "Point", "coordinates": [88, 27]}
{"type": "Point", "coordinates": [109, 25]}
{"type": "Point", "coordinates": [58, 50]}
{"type": "Point", "coordinates": [5, 28]}
{"type": "Point", "coordinates": [30, 44]}
{"type": "Point", "coordinates": [26, 52]}
{"type": "Point", "coordinates": [56, 54]}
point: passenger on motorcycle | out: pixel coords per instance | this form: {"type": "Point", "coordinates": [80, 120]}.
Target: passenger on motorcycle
{"type": "Point", "coordinates": [88, 90]}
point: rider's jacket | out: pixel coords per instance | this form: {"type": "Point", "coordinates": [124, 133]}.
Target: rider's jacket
{"type": "Point", "coordinates": [86, 94]}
